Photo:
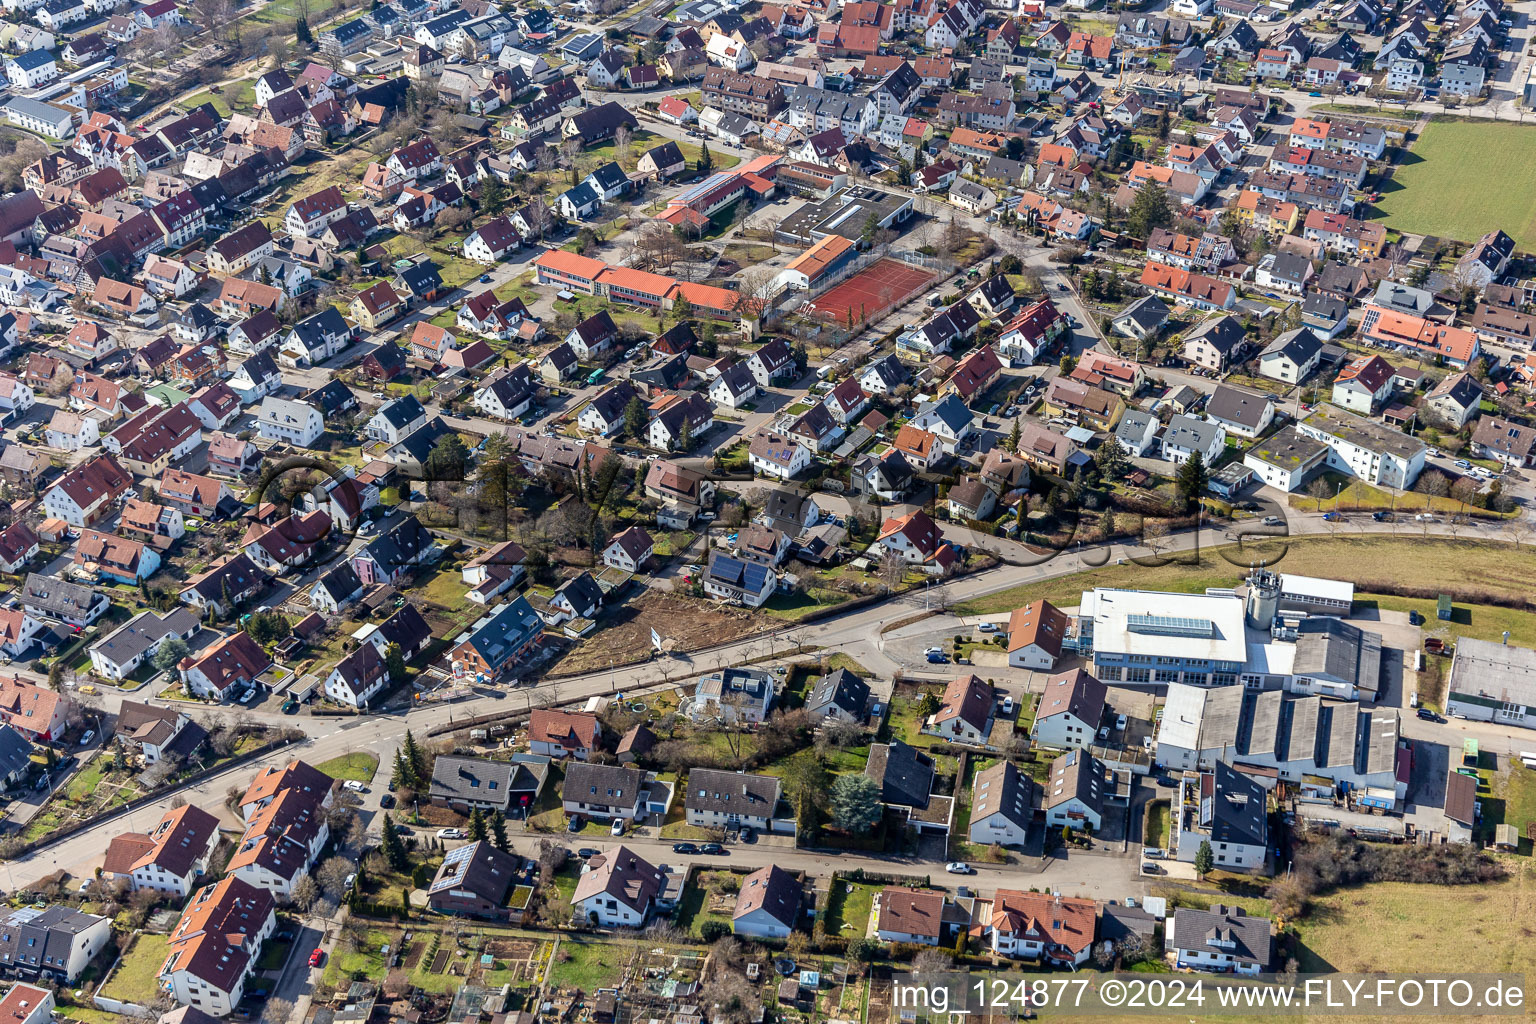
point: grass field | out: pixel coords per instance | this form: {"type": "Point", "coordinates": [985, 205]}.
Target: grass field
{"type": "Point", "coordinates": [356, 767]}
{"type": "Point", "coordinates": [587, 965]}
{"type": "Point", "coordinates": [134, 981]}
{"type": "Point", "coordinates": [1411, 927]}
{"type": "Point", "coordinates": [848, 908]}
{"type": "Point", "coordinates": [1408, 561]}
{"type": "Point", "coordinates": [1464, 179]}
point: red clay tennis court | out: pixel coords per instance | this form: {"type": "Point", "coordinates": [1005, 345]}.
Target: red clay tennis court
{"type": "Point", "coordinates": [872, 292]}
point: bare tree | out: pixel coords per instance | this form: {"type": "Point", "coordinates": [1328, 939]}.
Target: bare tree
{"type": "Point", "coordinates": [1519, 531]}
{"type": "Point", "coordinates": [1318, 490]}
{"type": "Point", "coordinates": [622, 137]}
{"type": "Point", "coordinates": [1464, 490]}
{"type": "Point", "coordinates": [538, 215]}
{"type": "Point", "coordinates": [305, 892]}
{"type": "Point", "coordinates": [931, 961]}
{"type": "Point", "coordinates": [893, 569]}
{"type": "Point", "coordinates": [333, 874]}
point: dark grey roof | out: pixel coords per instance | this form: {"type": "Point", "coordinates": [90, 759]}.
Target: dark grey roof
{"type": "Point", "coordinates": [481, 779]}
{"type": "Point", "coordinates": [1236, 807]}
{"type": "Point", "coordinates": [143, 633]}
{"type": "Point", "coordinates": [1076, 774]}
{"type": "Point", "coordinates": [583, 593]}
{"type": "Point", "coordinates": [403, 410]}
{"type": "Point", "coordinates": [1149, 312]}
{"type": "Point", "coordinates": [732, 793]}
{"type": "Point", "coordinates": [418, 444]}
{"type": "Point", "coordinates": [838, 688]}
{"type": "Point", "coordinates": [784, 504]}
{"type": "Point", "coordinates": [421, 278]}
{"type": "Point", "coordinates": [479, 868]}
{"type": "Point", "coordinates": [905, 774]}
{"type": "Point", "coordinates": [609, 175]}
{"type": "Point", "coordinates": [15, 751]}
{"type": "Point", "coordinates": [1003, 789]}
{"type": "Point", "coordinates": [1118, 922]}
{"type": "Point", "coordinates": [1240, 936]}
{"type": "Point", "coordinates": [890, 370]}
{"type": "Point", "coordinates": [1188, 432]}
{"type": "Point", "coordinates": [1236, 406]}
{"type": "Point", "coordinates": [1329, 307]}
{"type": "Point", "coordinates": [1290, 267]}
{"type": "Point", "coordinates": [602, 784]}
{"type": "Point", "coordinates": [1299, 345]}
{"type": "Point", "coordinates": [341, 582]}
{"type": "Point", "coordinates": [331, 397]}
{"type": "Point", "coordinates": [59, 598]}
{"type": "Point", "coordinates": [1330, 648]}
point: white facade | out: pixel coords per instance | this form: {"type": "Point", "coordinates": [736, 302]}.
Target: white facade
{"type": "Point", "coordinates": [297, 423]}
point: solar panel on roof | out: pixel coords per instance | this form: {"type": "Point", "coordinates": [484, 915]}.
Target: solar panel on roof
{"type": "Point", "coordinates": [1170, 625]}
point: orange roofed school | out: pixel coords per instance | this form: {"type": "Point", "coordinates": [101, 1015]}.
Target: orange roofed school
{"type": "Point", "coordinates": [640, 288]}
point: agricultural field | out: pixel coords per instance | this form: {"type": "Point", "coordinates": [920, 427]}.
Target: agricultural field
{"type": "Point", "coordinates": [1415, 562]}
{"type": "Point", "coordinates": [1412, 926]}
{"type": "Point", "coordinates": [1433, 190]}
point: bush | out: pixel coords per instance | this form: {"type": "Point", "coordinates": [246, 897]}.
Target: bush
{"type": "Point", "coordinates": [712, 930]}
{"type": "Point", "coordinates": [1339, 860]}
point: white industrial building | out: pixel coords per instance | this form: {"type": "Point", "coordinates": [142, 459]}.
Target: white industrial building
{"type": "Point", "coordinates": [1318, 743]}
{"type": "Point", "coordinates": [1493, 683]}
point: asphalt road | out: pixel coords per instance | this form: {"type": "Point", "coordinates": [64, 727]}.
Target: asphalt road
{"type": "Point", "coordinates": [856, 632]}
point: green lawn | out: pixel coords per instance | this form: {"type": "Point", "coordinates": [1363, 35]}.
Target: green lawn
{"type": "Point", "coordinates": [1463, 179]}
{"type": "Point", "coordinates": [591, 965]}
{"type": "Point", "coordinates": [274, 956]}
{"type": "Point", "coordinates": [135, 981]}
{"type": "Point", "coordinates": [848, 908]}
{"type": "Point", "coordinates": [1159, 822]}
{"type": "Point", "coordinates": [367, 961]}
{"type": "Point", "coordinates": [691, 914]}
{"type": "Point", "coordinates": [354, 767]}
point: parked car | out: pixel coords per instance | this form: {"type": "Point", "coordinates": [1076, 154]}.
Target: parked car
{"type": "Point", "coordinates": [1427, 715]}
{"type": "Point", "coordinates": [1333, 517]}
{"type": "Point", "coordinates": [987, 627]}
{"type": "Point", "coordinates": [618, 827]}
{"type": "Point", "coordinates": [712, 849]}
{"type": "Point", "coordinates": [1007, 705]}
{"type": "Point", "coordinates": [930, 651]}
{"type": "Point", "coordinates": [1382, 517]}
{"type": "Point", "coordinates": [386, 801]}
{"type": "Point", "coordinates": [85, 740]}
{"type": "Point", "coordinates": [451, 833]}
{"type": "Point", "coordinates": [317, 957]}
{"type": "Point", "coordinates": [575, 824]}
{"type": "Point", "coordinates": [959, 867]}
{"type": "Point", "coordinates": [586, 852]}
{"type": "Point", "coordinates": [938, 659]}
{"type": "Point", "coordinates": [684, 848]}
{"type": "Point", "coordinates": [354, 786]}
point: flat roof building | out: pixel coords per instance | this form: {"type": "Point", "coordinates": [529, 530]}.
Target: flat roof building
{"type": "Point", "coordinates": [1141, 636]}
{"type": "Point", "coordinates": [1493, 683]}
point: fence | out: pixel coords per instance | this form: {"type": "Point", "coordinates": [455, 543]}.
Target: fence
{"type": "Point", "coordinates": [868, 259]}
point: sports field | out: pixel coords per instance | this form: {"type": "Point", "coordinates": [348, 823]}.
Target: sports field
{"type": "Point", "coordinates": [867, 295]}
{"type": "Point", "coordinates": [1462, 180]}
